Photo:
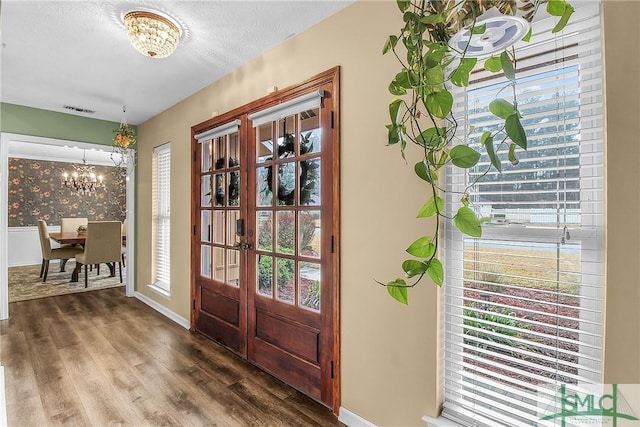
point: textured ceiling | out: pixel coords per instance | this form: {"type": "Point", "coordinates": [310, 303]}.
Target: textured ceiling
{"type": "Point", "coordinates": [75, 53]}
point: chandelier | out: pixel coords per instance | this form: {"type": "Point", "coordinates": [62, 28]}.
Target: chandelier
{"type": "Point", "coordinates": [83, 180]}
{"type": "Point", "coordinates": [152, 34]}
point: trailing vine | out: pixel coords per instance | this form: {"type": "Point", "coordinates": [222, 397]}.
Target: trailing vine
{"type": "Point", "coordinates": [421, 113]}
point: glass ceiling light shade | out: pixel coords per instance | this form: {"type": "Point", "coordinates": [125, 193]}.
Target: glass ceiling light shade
{"type": "Point", "coordinates": [152, 34]}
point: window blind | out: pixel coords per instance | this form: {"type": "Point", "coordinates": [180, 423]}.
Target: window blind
{"type": "Point", "coordinates": [222, 130]}
{"type": "Point", "coordinates": [305, 102]}
{"type": "Point", "coordinates": [523, 304]}
{"type": "Point", "coordinates": [163, 217]}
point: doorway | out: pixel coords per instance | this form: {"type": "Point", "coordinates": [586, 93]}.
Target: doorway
{"type": "Point", "coordinates": [266, 231]}
{"type": "Point", "coordinates": [39, 145]}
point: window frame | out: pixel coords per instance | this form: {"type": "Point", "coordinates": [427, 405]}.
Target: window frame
{"type": "Point", "coordinates": [161, 220]}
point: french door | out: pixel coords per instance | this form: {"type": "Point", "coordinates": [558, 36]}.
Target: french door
{"type": "Point", "coordinates": [265, 280]}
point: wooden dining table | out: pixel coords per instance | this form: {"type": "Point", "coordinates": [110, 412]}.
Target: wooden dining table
{"type": "Point", "coordinates": [75, 238]}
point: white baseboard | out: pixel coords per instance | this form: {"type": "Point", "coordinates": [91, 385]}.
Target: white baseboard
{"type": "Point", "coordinates": [3, 401]}
{"type": "Point", "coordinates": [353, 420]}
{"type": "Point", "coordinates": [163, 310]}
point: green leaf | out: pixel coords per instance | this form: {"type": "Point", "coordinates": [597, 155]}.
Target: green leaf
{"type": "Point", "coordinates": [507, 66]}
{"type": "Point", "coordinates": [394, 108]}
{"type": "Point", "coordinates": [515, 131]}
{"type": "Point", "coordinates": [422, 248]}
{"type": "Point", "coordinates": [493, 64]}
{"type": "Point", "coordinates": [434, 77]}
{"type": "Point", "coordinates": [432, 207]}
{"type": "Point", "coordinates": [501, 108]}
{"type": "Point", "coordinates": [396, 89]}
{"type": "Point", "coordinates": [440, 103]}
{"type": "Point", "coordinates": [495, 161]}
{"type": "Point", "coordinates": [434, 56]}
{"type": "Point", "coordinates": [433, 18]}
{"type": "Point", "coordinates": [435, 271]}
{"type": "Point", "coordinates": [464, 156]}
{"type": "Point", "coordinates": [392, 134]}
{"type": "Point", "coordinates": [479, 29]}
{"type": "Point", "coordinates": [527, 37]}
{"type": "Point", "coordinates": [460, 77]}
{"type": "Point", "coordinates": [467, 222]}
{"type": "Point", "coordinates": [402, 78]}
{"type": "Point", "coordinates": [512, 154]}
{"type": "Point", "coordinates": [403, 5]}
{"type": "Point", "coordinates": [421, 170]}
{"type": "Point", "coordinates": [390, 44]}
{"type": "Point", "coordinates": [568, 11]}
{"type": "Point", "coordinates": [397, 289]}
{"type": "Point", "coordinates": [413, 268]}
{"type": "Point", "coordinates": [431, 137]}
{"type": "Point", "coordinates": [556, 7]}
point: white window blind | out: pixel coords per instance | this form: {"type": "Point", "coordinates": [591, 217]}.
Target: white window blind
{"type": "Point", "coordinates": [305, 102]}
{"type": "Point", "coordinates": [222, 130]}
{"type": "Point", "coordinates": [162, 217]}
{"type": "Point", "coordinates": [523, 304]}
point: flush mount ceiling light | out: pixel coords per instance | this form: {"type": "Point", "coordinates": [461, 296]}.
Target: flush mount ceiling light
{"type": "Point", "coordinates": [152, 34]}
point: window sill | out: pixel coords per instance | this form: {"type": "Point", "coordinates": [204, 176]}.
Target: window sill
{"type": "Point", "coordinates": [440, 422]}
{"type": "Point", "coordinates": [160, 291]}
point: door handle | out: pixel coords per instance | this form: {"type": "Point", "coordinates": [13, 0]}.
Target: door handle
{"type": "Point", "coordinates": [243, 245]}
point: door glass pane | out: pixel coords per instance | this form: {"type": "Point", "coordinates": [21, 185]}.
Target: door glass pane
{"type": "Point", "coordinates": [286, 137]}
{"type": "Point", "coordinates": [233, 267]}
{"type": "Point", "coordinates": [310, 131]}
{"type": "Point", "coordinates": [234, 188]}
{"type": "Point", "coordinates": [206, 156]}
{"type": "Point", "coordinates": [232, 218]}
{"type": "Point", "coordinates": [264, 144]}
{"type": "Point", "coordinates": [309, 230]}
{"type": "Point", "coordinates": [265, 230]}
{"type": "Point", "coordinates": [205, 226]}
{"type": "Point", "coordinates": [218, 264]}
{"type": "Point", "coordinates": [265, 275]}
{"type": "Point", "coordinates": [309, 283]}
{"type": "Point", "coordinates": [264, 195]}
{"type": "Point", "coordinates": [219, 150]}
{"type": "Point", "coordinates": [310, 182]}
{"type": "Point", "coordinates": [286, 279]}
{"type": "Point", "coordinates": [205, 186]}
{"type": "Point", "coordinates": [220, 187]}
{"type": "Point", "coordinates": [205, 261]}
{"type": "Point", "coordinates": [286, 231]}
{"type": "Point", "coordinates": [234, 150]}
{"type": "Point", "coordinates": [218, 227]}
{"type": "Point", "coordinates": [286, 182]}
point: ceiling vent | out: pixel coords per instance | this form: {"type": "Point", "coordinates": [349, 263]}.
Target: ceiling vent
{"type": "Point", "coordinates": [78, 109]}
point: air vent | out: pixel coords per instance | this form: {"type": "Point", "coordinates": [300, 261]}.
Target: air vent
{"type": "Point", "coordinates": [307, 114]}
{"type": "Point", "coordinates": [78, 109]}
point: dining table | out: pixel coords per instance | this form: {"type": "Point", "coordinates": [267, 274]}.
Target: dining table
{"type": "Point", "coordinates": [75, 238]}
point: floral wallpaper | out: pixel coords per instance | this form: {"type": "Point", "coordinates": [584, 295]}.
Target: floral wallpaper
{"type": "Point", "coordinates": [36, 192]}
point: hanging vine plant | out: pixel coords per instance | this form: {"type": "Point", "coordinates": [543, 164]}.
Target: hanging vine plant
{"type": "Point", "coordinates": [441, 43]}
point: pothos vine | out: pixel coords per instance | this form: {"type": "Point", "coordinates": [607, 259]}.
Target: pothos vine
{"type": "Point", "coordinates": [422, 113]}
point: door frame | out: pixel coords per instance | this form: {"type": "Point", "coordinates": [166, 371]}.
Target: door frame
{"type": "Point", "coordinates": [332, 75]}
{"type": "Point", "coordinates": [5, 139]}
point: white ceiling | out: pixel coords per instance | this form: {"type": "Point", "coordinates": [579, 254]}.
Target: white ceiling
{"type": "Point", "coordinates": [74, 52]}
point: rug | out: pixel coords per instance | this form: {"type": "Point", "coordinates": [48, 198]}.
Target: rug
{"type": "Point", "coordinates": [24, 283]}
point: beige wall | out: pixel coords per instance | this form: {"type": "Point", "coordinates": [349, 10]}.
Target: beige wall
{"type": "Point", "coordinates": [389, 351]}
{"type": "Point", "coordinates": [622, 61]}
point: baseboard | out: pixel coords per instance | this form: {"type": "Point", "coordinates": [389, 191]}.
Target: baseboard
{"type": "Point", "coordinates": [3, 401]}
{"type": "Point", "coordinates": [353, 420]}
{"type": "Point", "coordinates": [163, 310]}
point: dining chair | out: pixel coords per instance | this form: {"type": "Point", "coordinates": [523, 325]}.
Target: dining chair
{"type": "Point", "coordinates": [123, 250]}
{"type": "Point", "coordinates": [103, 245]}
{"type": "Point", "coordinates": [62, 253]}
{"type": "Point", "coordinates": [68, 225]}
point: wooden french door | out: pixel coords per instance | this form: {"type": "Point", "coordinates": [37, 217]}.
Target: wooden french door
{"type": "Point", "coordinates": [266, 234]}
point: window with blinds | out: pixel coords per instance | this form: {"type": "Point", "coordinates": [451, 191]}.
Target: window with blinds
{"type": "Point", "coordinates": [523, 304]}
{"type": "Point", "coordinates": [162, 218]}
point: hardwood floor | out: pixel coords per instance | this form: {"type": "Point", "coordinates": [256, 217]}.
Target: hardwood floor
{"type": "Point", "coordinates": [99, 358]}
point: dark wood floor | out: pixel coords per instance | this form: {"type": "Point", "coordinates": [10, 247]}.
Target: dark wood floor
{"type": "Point", "coordinates": [99, 358]}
